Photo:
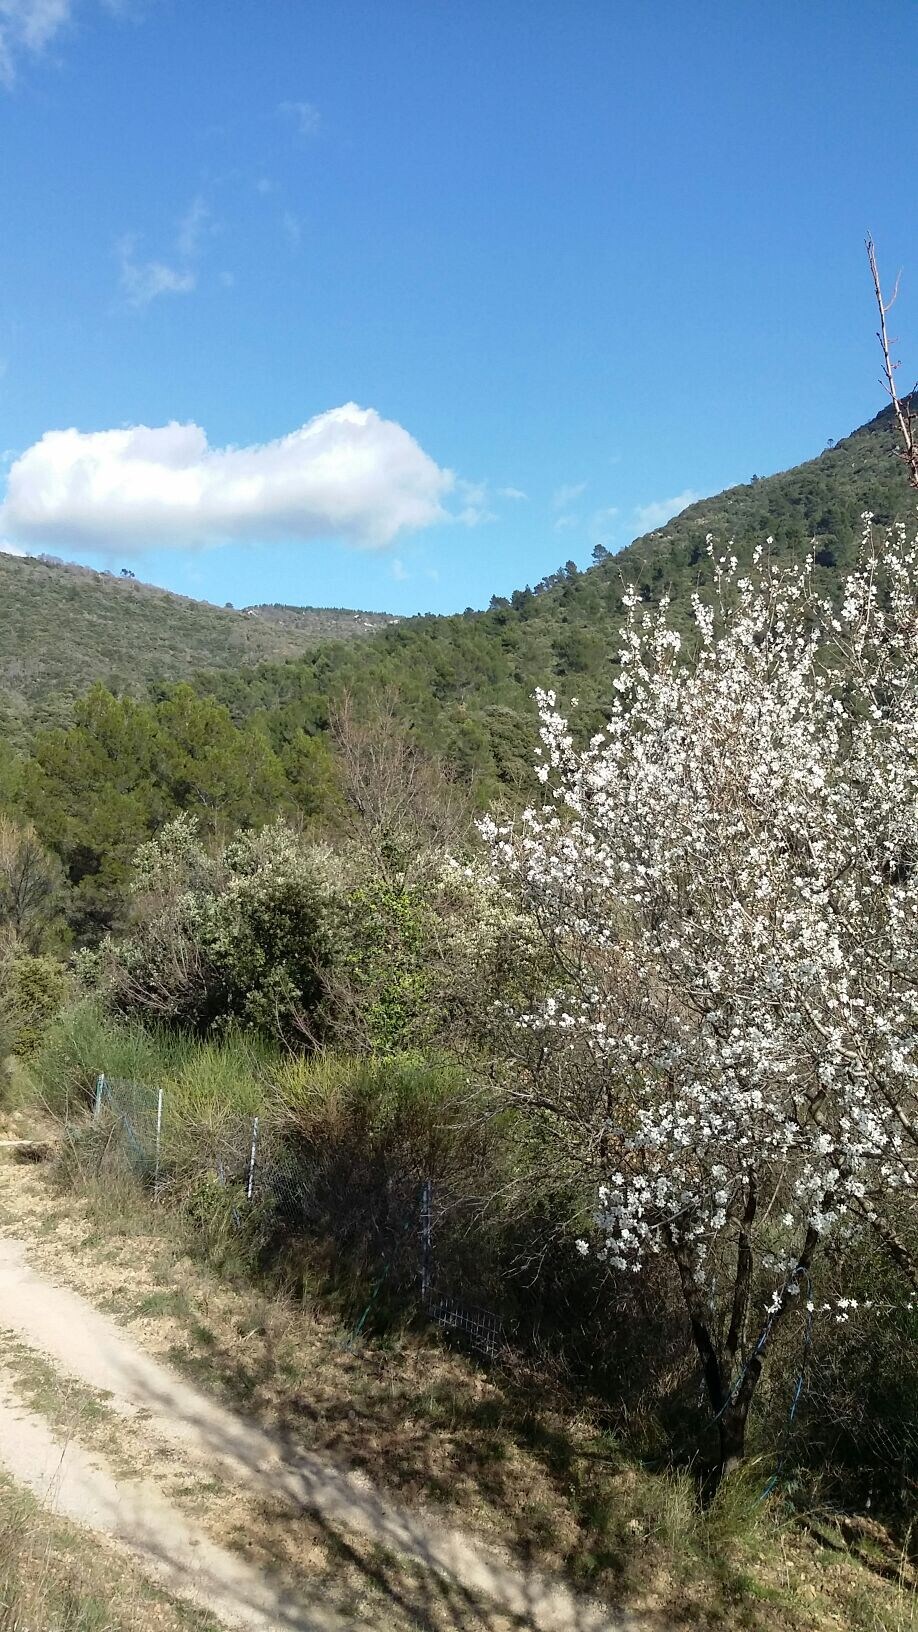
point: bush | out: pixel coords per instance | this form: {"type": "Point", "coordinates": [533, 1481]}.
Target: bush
{"type": "Point", "coordinates": [418, 963]}
{"type": "Point", "coordinates": [362, 1136]}
{"type": "Point", "coordinates": [233, 939]}
{"type": "Point", "coordinates": [34, 991]}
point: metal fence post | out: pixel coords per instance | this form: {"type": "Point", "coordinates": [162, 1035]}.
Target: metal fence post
{"type": "Point", "coordinates": [426, 1239]}
{"type": "Point", "coordinates": [159, 1137]}
{"type": "Point", "coordinates": [100, 1094]}
{"type": "Point", "coordinates": [251, 1184]}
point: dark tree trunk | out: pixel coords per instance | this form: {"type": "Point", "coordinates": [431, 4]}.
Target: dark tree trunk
{"type": "Point", "coordinates": [732, 1439]}
{"type": "Point", "coordinates": [731, 1398]}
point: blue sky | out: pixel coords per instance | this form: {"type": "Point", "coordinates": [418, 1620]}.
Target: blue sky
{"type": "Point", "coordinates": [577, 264]}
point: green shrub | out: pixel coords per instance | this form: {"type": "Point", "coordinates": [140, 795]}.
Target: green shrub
{"type": "Point", "coordinates": [417, 965]}
{"type": "Point", "coordinates": [35, 989]}
{"type": "Point", "coordinates": [236, 939]}
{"type": "Point", "coordinates": [385, 947]}
{"type": "Point", "coordinates": [365, 1134]}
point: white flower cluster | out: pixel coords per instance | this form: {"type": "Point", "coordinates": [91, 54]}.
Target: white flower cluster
{"type": "Point", "coordinates": [728, 878]}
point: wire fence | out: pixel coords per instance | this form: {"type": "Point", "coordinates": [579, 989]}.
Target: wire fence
{"type": "Point", "coordinates": [840, 1393]}
{"type": "Point", "coordinates": [266, 1181]}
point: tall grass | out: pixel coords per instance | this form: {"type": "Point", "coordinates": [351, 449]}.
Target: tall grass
{"type": "Point", "coordinates": [204, 1080]}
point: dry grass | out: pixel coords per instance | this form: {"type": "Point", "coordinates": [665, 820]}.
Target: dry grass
{"type": "Point", "coordinates": [54, 1578]}
{"type": "Point", "coordinates": [484, 1448]}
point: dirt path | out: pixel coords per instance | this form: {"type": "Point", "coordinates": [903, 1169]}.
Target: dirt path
{"type": "Point", "coordinates": [84, 1344]}
{"type": "Point", "coordinates": [134, 1515]}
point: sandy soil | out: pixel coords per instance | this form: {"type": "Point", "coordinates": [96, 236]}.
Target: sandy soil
{"type": "Point", "coordinates": [81, 1343]}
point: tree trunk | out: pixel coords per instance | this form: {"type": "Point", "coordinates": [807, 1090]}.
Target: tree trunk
{"type": "Point", "coordinates": [732, 1436]}
{"type": "Point", "coordinates": [730, 1400]}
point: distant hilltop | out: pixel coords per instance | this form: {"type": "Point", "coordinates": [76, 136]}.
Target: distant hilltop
{"type": "Point", "coordinates": [65, 626]}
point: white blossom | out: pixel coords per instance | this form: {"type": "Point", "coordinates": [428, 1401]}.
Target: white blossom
{"type": "Point", "coordinates": [727, 875]}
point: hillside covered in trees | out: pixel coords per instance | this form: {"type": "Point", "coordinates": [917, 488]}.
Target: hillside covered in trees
{"type": "Point", "coordinates": [238, 746]}
{"type": "Point", "coordinates": [465, 682]}
{"type": "Point", "coordinates": [65, 627]}
{"type": "Point", "coordinates": [242, 745]}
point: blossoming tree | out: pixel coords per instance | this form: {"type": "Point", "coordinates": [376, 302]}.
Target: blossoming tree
{"type": "Point", "coordinates": [726, 878]}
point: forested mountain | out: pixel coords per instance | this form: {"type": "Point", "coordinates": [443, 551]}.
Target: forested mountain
{"type": "Point", "coordinates": [63, 627]}
{"type": "Point", "coordinates": [238, 746]}
{"type": "Point", "coordinates": [465, 682]}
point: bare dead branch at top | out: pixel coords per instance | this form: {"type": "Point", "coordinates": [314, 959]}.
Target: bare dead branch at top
{"type": "Point", "coordinates": [905, 418]}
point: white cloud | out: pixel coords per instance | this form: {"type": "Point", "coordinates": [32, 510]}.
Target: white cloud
{"type": "Point", "coordinates": [346, 474]}
{"type": "Point", "coordinates": [400, 571]}
{"type": "Point", "coordinates": [143, 281]}
{"type": "Point", "coordinates": [7, 548]}
{"type": "Point", "coordinates": [512, 493]}
{"type": "Point", "coordinates": [650, 516]}
{"type": "Point", "coordinates": [476, 510]}
{"type": "Point", "coordinates": [563, 496]}
{"type": "Point", "coordinates": [564, 522]}
{"type": "Point", "coordinates": [472, 515]}
{"type": "Point", "coordinates": [27, 28]}
{"type": "Point", "coordinates": [304, 116]}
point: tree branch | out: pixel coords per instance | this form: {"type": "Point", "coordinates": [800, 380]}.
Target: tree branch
{"type": "Point", "coordinates": [905, 419]}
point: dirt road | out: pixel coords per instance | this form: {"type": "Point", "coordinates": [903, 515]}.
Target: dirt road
{"type": "Point", "coordinates": [81, 1343]}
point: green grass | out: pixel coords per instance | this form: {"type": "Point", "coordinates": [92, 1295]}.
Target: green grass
{"type": "Point", "coordinates": [205, 1081]}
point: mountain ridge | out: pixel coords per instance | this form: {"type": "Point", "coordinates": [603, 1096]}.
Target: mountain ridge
{"type": "Point", "coordinates": [66, 626]}
{"type": "Point", "coordinates": [464, 680]}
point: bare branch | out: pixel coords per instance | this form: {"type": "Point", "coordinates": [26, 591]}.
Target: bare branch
{"type": "Point", "coordinates": [905, 418]}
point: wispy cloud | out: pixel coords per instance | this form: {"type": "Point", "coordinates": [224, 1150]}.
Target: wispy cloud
{"type": "Point", "coordinates": [647, 517]}
{"type": "Point", "coordinates": [566, 494]}
{"type": "Point", "coordinates": [400, 571]}
{"type": "Point", "coordinates": [476, 510]}
{"type": "Point", "coordinates": [303, 116]}
{"type": "Point", "coordinates": [27, 29]}
{"type": "Point", "coordinates": [347, 474]}
{"type": "Point", "coordinates": [195, 227]}
{"type": "Point", "coordinates": [143, 281]}
{"type": "Point", "coordinates": [30, 28]}
{"type": "Point", "coordinates": [511, 493]}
